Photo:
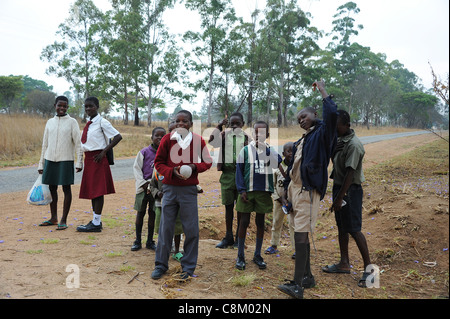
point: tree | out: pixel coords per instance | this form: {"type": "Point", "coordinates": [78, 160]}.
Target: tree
{"type": "Point", "coordinates": [162, 58]}
{"type": "Point", "coordinates": [40, 102]}
{"type": "Point", "coordinates": [344, 25]}
{"type": "Point", "coordinates": [121, 62]}
{"type": "Point", "coordinates": [440, 87]}
{"type": "Point", "coordinates": [75, 57]}
{"type": "Point", "coordinates": [292, 42]}
{"type": "Point", "coordinates": [10, 89]}
{"type": "Point", "coordinates": [216, 17]}
{"type": "Point", "coordinates": [417, 108]}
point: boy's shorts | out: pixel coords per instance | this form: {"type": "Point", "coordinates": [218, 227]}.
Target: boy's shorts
{"type": "Point", "coordinates": [259, 202]}
{"type": "Point", "coordinates": [142, 199]}
{"type": "Point", "coordinates": [228, 187]}
{"type": "Point", "coordinates": [178, 226]}
{"type": "Point", "coordinates": [349, 217]}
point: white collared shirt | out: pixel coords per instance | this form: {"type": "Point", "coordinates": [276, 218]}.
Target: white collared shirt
{"type": "Point", "coordinates": [184, 143]}
{"type": "Point", "coordinates": [98, 134]}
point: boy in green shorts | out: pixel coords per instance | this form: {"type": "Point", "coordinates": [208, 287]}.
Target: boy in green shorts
{"type": "Point", "coordinates": [230, 142]}
{"type": "Point", "coordinates": [254, 182]}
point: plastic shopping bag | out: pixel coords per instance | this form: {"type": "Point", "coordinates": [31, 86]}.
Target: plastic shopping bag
{"type": "Point", "coordinates": [39, 193]}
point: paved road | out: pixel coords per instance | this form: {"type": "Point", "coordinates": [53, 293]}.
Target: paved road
{"type": "Point", "coordinates": [20, 179]}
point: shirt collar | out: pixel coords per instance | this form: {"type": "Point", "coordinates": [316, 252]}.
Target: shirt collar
{"type": "Point", "coordinates": [347, 138]}
{"type": "Point", "coordinates": [96, 118]}
{"type": "Point", "coordinates": [258, 149]}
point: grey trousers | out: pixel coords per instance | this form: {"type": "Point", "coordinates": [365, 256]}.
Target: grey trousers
{"type": "Point", "coordinates": [182, 199]}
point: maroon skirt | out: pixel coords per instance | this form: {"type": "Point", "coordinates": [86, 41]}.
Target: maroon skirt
{"type": "Point", "coordinates": [97, 179]}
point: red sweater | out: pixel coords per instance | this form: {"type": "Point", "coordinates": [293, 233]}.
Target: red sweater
{"type": "Point", "coordinates": [170, 155]}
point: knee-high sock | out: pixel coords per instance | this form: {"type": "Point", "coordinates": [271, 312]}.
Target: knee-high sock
{"type": "Point", "coordinates": [301, 257]}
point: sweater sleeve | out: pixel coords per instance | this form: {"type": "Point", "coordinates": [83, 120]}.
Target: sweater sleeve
{"type": "Point", "coordinates": [137, 171]}
{"type": "Point", "coordinates": [76, 138]}
{"type": "Point", "coordinates": [330, 120]}
{"type": "Point", "coordinates": [162, 156]}
{"type": "Point", "coordinates": [44, 147]}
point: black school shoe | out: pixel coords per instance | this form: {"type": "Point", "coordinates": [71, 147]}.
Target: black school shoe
{"type": "Point", "coordinates": [136, 245]}
{"type": "Point", "coordinates": [225, 243]}
{"type": "Point", "coordinates": [150, 245]}
{"type": "Point", "coordinates": [292, 289]}
{"type": "Point", "coordinates": [308, 282]}
{"type": "Point", "coordinates": [158, 273]}
{"type": "Point", "coordinates": [240, 263]}
{"type": "Point", "coordinates": [90, 228]}
{"type": "Point", "coordinates": [259, 261]}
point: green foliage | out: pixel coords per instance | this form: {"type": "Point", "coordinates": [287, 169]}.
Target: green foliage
{"type": "Point", "coordinates": [263, 68]}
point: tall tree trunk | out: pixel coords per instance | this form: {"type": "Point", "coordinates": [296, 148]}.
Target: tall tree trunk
{"type": "Point", "coordinates": [125, 118]}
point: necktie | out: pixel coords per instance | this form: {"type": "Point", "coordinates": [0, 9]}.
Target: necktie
{"type": "Point", "coordinates": [85, 130]}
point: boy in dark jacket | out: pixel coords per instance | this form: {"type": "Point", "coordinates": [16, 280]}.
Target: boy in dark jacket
{"type": "Point", "coordinates": [306, 184]}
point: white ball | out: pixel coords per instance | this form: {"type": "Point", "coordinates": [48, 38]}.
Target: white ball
{"type": "Point", "coordinates": [186, 171]}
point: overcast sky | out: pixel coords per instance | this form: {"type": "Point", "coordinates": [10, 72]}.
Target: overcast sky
{"type": "Point", "coordinates": [414, 32]}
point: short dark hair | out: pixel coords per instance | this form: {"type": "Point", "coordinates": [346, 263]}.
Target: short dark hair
{"type": "Point", "coordinates": [343, 116]}
{"type": "Point", "coordinates": [61, 98]}
{"type": "Point", "coordinates": [93, 99]}
{"type": "Point", "coordinates": [238, 114]}
{"type": "Point", "coordinates": [287, 145]}
{"type": "Point", "coordinates": [263, 122]}
{"type": "Point", "coordinates": [158, 128]}
{"type": "Point", "coordinates": [308, 109]}
{"type": "Point", "coordinates": [189, 114]}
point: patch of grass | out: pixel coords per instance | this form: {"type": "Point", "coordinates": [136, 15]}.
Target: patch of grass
{"type": "Point", "coordinates": [126, 268]}
{"type": "Point", "coordinates": [111, 222]}
{"type": "Point", "coordinates": [88, 242]}
{"type": "Point", "coordinates": [50, 241]}
{"type": "Point", "coordinates": [423, 161]}
{"type": "Point", "coordinates": [243, 280]}
{"type": "Point", "coordinates": [114, 254]}
{"type": "Point", "coordinates": [33, 252]}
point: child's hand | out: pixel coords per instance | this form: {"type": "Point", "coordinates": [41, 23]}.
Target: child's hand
{"type": "Point", "coordinates": [244, 197]}
{"type": "Point", "coordinates": [224, 122]}
{"type": "Point", "coordinates": [176, 172]}
{"type": "Point", "coordinates": [98, 158]}
{"type": "Point", "coordinates": [320, 85]}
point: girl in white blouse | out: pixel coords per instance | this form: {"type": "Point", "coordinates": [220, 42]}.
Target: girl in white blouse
{"type": "Point", "coordinates": [97, 179]}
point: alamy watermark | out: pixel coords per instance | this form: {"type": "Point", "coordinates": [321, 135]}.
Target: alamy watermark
{"type": "Point", "coordinates": [73, 280]}
{"type": "Point", "coordinates": [373, 279]}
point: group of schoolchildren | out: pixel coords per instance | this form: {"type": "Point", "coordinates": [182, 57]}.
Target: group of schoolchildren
{"type": "Point", "coordinates": [254, 178]}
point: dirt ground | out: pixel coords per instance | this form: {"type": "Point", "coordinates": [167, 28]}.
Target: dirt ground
{"type": "Point", "coordinates": [406, 230]}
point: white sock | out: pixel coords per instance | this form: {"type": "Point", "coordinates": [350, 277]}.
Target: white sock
{"type": "Point", "coordinates": [97, 219]}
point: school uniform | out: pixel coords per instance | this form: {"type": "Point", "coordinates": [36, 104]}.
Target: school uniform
{"type": "Point", "coordinates": [143, 171]}
{"type": "Point", "coordinates": [305, 204]}
{"type": "Point", "coordinates": [180, 196]}
{"type": "Point", "coordinates": [278, 214]}
{"type": "Point", "coordinates": [155, 187]}
{"type": "Point", "coordinates": [230, 143]}
{"type": "Point", "coordinates": [97, 179]}
{"type": "Point", "coordinates": [60, 144]}
{"type": "Point", "coordinates": [254, 175]}
{"type": "Point", "coordinates": [307, 175]}
{"type": "Point", "coordinates": [349, 217]}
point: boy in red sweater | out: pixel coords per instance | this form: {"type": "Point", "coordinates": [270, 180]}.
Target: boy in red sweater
{"type": "Point", "coordinates": [181, 147]}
